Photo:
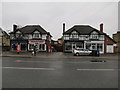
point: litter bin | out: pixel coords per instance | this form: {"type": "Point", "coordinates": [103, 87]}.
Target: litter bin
{"type": "Point", "coordinates": [98, 53]}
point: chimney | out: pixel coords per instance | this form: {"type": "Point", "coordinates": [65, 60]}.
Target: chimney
{"type": "Point", "coordinates": [14, 27]}
{"type": "Point", "coordinates": [101, 27]}
{"type": "Point", "coordinates": [63, 27]}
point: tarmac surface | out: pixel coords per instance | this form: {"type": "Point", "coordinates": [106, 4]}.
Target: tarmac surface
{"type": "Point", "coordinates": [59, 70]}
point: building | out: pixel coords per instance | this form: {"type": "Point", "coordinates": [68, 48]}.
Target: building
{"type": "Point", "coordinates": [30, 36]}
{"type": "Point", "coordinates": [116, 37]}
{"type": "Point", "coordinates": [87, 37]}
{"type": "Point", "coordinates": [4, 40]}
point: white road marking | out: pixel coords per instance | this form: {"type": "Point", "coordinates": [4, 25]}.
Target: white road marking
{"type": "Point", "coordinates": [96, 69]}
{"type": "Point", "coordinates": [28, 68]}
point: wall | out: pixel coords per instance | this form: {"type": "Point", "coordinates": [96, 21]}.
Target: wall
{"type": "Point", "coordinates": [107, 41]}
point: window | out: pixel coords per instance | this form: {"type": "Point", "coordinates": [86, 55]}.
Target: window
{"type": "Point", "coordinates": [66, 37]}
{"type": "Point", "coordinates": [26, 36]}
{"type": "Point", "coordinates": [31, 46]}
{"type": "Point", "coordinates": [12, 36]}
{"type": "Point", "coordinates": [100, 47]}
{"type": "Point", "coordinates": [18, 35]}
{"type": "Point", "coordinates": [79, 45]}
{"type": "Point", "coordinates": [41, 47]}
{"type": "Point", "coordinates": [36, 35]}
{"type": "Point", "coordinates": [93, 46]}
{"type": "Point", "coordinates": [23, 46]}
{"type": "Point", "coordinates": [88, 46]}
{"type": "Point", "coordinates": [93, 36]}
{"type": "Point", "coordinates": [68, 46]}
{"type": "Point", "coordinates": [74, 34]}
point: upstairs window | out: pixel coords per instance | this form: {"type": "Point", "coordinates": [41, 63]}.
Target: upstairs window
{"type": "Point", "coordinates": [66, 37]}
{"type": "Point", "coordinates": [36, 35]}
{"type": "Point", "coordinates": [18, 34]}
{"type": "Point", "coordinates": [94, 35]}
{"type": "Point", "coordinates": [74, 34]}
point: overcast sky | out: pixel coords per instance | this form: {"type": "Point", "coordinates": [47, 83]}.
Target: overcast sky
{"type": "Point", "coordinates": [51, 15]}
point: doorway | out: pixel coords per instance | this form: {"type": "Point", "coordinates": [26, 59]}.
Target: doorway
{"type": "Point", "coordinates": [73, 46]}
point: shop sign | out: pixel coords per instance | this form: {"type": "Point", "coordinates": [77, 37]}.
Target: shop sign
{"type": "Point", "coordinates": [36, 41]}
{"type": "Point", "coordinates": [55, 43]}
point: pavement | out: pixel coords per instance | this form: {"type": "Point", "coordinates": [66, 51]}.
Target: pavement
{"type": "Point", "coordinates": [55, 55]}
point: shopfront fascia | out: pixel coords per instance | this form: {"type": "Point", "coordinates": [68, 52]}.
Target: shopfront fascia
{"type": "Point", "coordinates": [40, 45]}
{"type": "Point", "coordinates": [94, 45]}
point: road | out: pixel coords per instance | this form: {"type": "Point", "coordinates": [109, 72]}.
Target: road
{"type": "Point", "coordinates": [58, 73]}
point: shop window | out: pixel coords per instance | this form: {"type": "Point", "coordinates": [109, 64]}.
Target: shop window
{"type": "Point", "coordinates": [68, 46]}
{"type": "Point", "coordinates": [79, 45]}
{"type": "Point", "coordinates": [23, 47]}
{"type": "Point", "coordinates": [41, 47]}
{"type": "Point", "coordinates": [14, 46]}
{"type": "Point", "coordinates": [31, 46]}
{"type": "Point", "coordinates": [94, 46]}
{"type": "Point", "coordinates": [88, 46]}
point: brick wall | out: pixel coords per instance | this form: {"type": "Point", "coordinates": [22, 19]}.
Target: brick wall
{"type": "Point", "coordinates": [108, 41]}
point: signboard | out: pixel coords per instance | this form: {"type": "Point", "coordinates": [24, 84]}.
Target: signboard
{"type": "Point", "coordinates": [55, 43]}
{"type": "Point", "coordinates": [18, 48]}
{"type": "Point", "coordinates": [36, 41]}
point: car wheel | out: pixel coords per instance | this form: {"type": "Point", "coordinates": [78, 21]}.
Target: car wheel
{"type": "Point", "coordinates": [77, 54]}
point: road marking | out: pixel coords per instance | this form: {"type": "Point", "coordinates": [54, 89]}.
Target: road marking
{"type": "Point", "coordinates": [96, 69]}
{"type": "Point", "coordinates": [28, 68]}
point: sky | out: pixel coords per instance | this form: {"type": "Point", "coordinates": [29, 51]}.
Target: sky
{"type": "Point", "coordinates": [52, 15]}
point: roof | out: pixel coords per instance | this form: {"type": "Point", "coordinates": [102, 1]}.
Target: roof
{"type": "Point", "coordinates": [82, 29]}
{"type": "Point", "coordinates": [30, 29]}
{"type": "Point", "coordinates": [60, 38]}
{"type": "Point", "coordinates": [110, 38]}
{"type": "Point", "coordinates": [3, 32]}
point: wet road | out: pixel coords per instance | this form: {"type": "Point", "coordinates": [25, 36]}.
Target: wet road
{"type": "Point", "coordinates": [59, 73]}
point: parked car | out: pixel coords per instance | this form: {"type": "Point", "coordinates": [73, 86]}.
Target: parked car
{"type": "Point", "coordinates": [81, 51]}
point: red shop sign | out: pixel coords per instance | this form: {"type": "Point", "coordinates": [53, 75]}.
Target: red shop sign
{"type": "Point", "coordinates": [35, 41]}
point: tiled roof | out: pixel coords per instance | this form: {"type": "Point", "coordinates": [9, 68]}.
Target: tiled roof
{"type": "Point", "coordinates": [82, 29]}
{"type": "Point", "coordinates": [31, 29]}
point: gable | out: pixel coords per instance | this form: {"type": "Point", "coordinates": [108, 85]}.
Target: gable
{"type": "Point", "coordinates": [18, 32]}
{"type": "Point", "coordinates": [94, 33]}
{"type": "Point", "coordinates": [36, 31]}
{"type": "Point", "coordinates": [74, 32]}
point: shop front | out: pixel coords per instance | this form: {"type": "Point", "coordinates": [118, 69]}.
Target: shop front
{"type": "Point", "coordinates": [95, 45]}
{"type": "Point", "coordinates": [40, 45]}
{"type": "Point", "coordinates": [14, 43]}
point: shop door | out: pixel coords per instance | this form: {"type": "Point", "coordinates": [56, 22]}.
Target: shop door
{"type": "Point", "coordinates": [109, 48]}
{"type": "Point", "coordinates": [73, 46]}
{"type": "Point", "coordinates": [37, 46]}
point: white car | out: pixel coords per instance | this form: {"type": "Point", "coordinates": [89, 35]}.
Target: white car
{"type": "Point", "coordinates": [81, 51]}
